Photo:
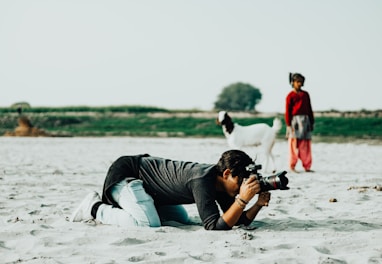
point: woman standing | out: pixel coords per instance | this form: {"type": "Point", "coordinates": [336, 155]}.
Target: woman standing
{"type": "Point", "coordinates": [299, 120]}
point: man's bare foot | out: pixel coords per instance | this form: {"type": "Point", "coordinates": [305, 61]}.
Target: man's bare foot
{"type": "Point", "coordinates": [293, 170]}
{"type": "Point", "coordinates": [309, 170]}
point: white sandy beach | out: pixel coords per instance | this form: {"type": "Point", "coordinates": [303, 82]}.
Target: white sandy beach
{"type": "Point", "coordinates": [42, 180]}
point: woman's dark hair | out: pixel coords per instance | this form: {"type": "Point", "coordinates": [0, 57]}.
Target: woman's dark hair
{"type": "Point", "coordinates": [236, 161]}
{"type": "Point", "coordinates": [295, 77]}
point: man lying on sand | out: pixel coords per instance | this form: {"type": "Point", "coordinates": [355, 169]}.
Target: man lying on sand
{"type": "Point", "coordinates": [146, 191]}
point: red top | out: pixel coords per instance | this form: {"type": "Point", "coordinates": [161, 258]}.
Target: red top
{"type": "Point", "coordinates": [298, 104]}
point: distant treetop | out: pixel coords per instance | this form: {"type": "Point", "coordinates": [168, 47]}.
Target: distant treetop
{"type": "Point", "coordinates": [238, 97]}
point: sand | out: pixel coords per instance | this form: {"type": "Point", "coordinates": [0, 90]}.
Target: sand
{"type": "Point", "coordinates": [330, 216]}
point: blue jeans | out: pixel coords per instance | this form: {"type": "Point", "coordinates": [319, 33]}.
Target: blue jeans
{"type": "Point", "coordinates": [138, 208]}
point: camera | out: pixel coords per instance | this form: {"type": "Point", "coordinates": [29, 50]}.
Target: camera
{"type": "Point", "coordinates": [274, 182]}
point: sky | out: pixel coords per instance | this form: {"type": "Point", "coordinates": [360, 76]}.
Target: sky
{"type": "Point", "coordinates": [180, 54]}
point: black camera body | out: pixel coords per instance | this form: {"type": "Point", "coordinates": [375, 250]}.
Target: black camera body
{"type": "Point", "coordinates": [277, 181]}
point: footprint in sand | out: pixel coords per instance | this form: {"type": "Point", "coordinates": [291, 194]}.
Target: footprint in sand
{"type": "Point", "coordinates": [35, 232]}
{"type": "Point", "coordinates": [136, 258]}
{"type": "Point", "coordinates": [34, 212]}
{"type": "Point", "coordinates": [129, 241]}
{"type": "Point", "coordinates": [143, 257]}
{"type": "Point", "coordinates": [328, 260]}
{"type": "Point", "coordinates": [203, 256]}
{"type": "Point", "coordinates": [48, 205]}
{"type": "Point", "coordinates": [285, 246]}
{"type": "Point", "coordinates": [323, 250]}
{"type": "Point", "coordinates": [238, 254]}
{"type": "Point", "coordinates": [2, 245]}
{"type": "Point", "coordinates": [283, 211]}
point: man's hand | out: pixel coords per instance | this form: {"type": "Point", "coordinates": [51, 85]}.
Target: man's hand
{"type": "Point", "coordinates": [263, 199]}
{"type": "Point", "coordinates": [249, 188]}
{"type": "Point", "coordinates": [288, 131]}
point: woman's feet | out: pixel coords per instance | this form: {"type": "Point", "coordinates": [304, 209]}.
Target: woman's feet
{"type": "Point", "coordinates": [293, 170]}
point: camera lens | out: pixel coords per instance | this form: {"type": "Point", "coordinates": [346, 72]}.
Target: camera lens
{"type": "Point", "coordinates": [274, 182]}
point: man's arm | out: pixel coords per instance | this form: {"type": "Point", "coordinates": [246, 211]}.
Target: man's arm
{"type": "Point", "coordinates": [263, 200]}
{"type": "Point", "coordinates": [233, 214]}
{"type": "Point", "coordinates": [248, 189]}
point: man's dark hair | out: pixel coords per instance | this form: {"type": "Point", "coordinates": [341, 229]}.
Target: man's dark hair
{"type": "Point", "coordinates": [236, 161]}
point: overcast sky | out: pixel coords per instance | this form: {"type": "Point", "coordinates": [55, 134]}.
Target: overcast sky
{"type": "Point", "coordinates": [181, 54]}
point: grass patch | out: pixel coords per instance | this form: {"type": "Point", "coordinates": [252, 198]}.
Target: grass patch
{"type": "Point", "coordinates": [140, 121]}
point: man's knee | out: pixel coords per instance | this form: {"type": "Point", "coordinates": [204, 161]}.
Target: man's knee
{"type": "Point", "coordinates": [145, 203]}
{"type": "Point", "coordinates": [139, 193]}
{"type": "Point", "coordinates": [173, 213]}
